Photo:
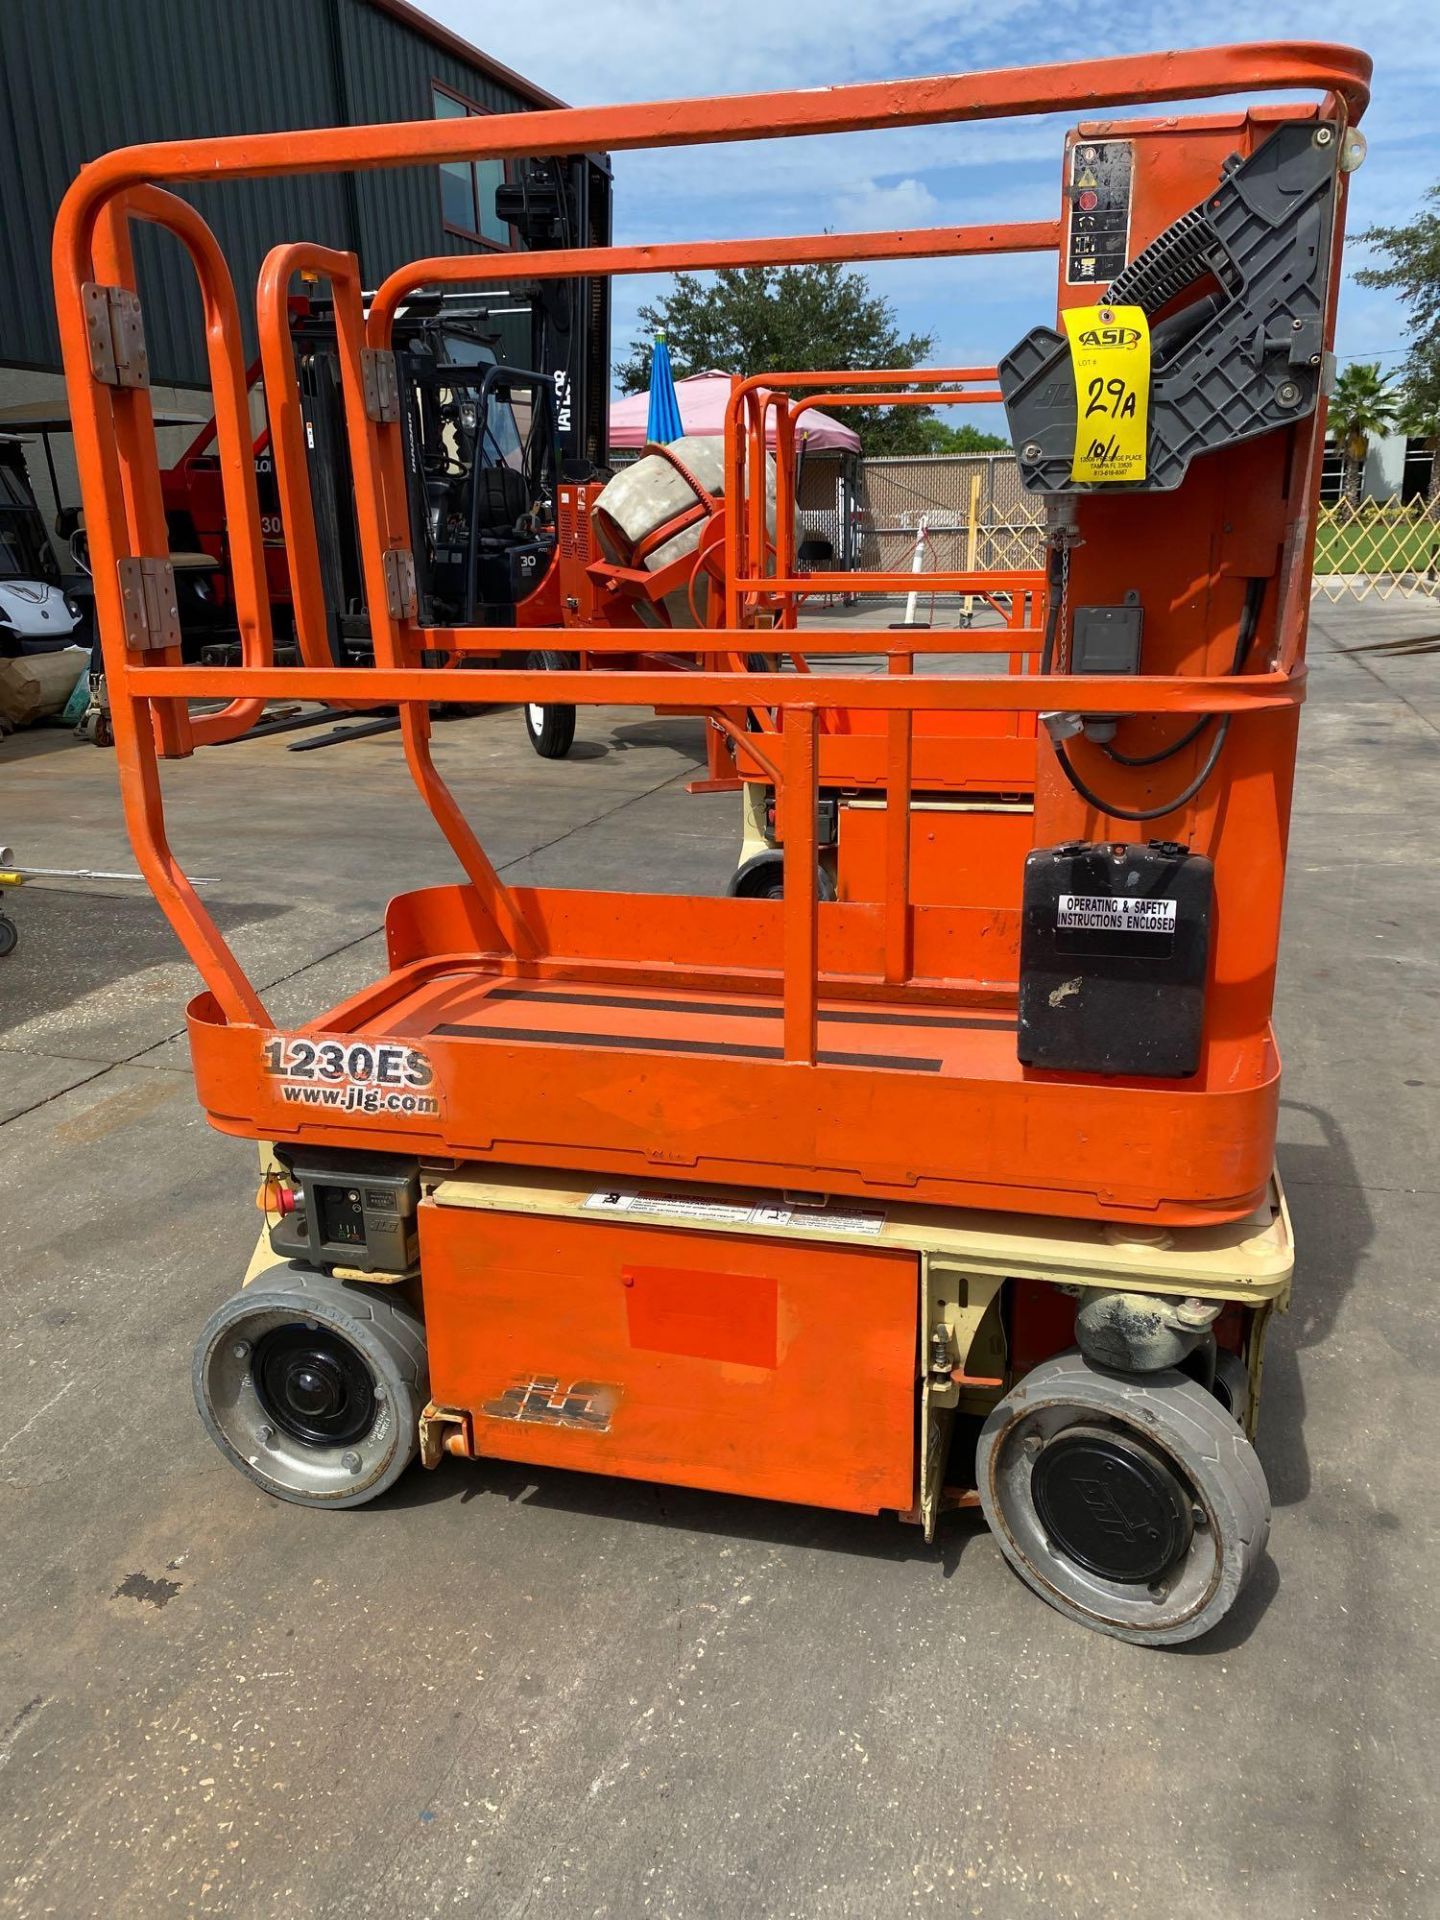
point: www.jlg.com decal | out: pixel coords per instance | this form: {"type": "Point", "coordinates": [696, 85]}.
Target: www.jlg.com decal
{"type": "Point", "coordinates": [352, 1076]}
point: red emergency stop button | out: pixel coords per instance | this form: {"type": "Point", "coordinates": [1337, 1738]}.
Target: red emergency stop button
{"type": "Point", "coordinates": [1088, 201]}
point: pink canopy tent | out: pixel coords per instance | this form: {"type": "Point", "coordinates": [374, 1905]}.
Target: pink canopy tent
{"type": "Point", "coordinates": [703, 398]}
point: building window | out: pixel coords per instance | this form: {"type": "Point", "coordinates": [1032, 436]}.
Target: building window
{"type": "Point", "coordinates": [467, 187]}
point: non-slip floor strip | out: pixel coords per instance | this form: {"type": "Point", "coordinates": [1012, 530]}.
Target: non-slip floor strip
{"type": "Point", "coordinates": [899, 1062]}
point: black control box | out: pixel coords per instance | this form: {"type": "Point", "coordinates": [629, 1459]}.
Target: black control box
{"type": "Point", "coordinates": [352, 1210]}
{"type": "Point", "coordinates": [1114, 944]}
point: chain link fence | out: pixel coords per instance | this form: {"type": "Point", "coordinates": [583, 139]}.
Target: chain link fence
{"type": "Point", "coordinates": [976, 513]}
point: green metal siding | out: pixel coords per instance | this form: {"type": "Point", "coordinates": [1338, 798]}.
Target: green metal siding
{"type": "Point", "coordinates": [79, 77]}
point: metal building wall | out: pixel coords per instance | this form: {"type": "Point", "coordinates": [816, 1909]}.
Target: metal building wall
{"type": "Point", "coordinates": [389, 72]}
{"type": "Point", "coordinates": [78, 77]}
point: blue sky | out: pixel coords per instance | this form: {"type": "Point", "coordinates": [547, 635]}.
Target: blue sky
{"type": "Point", "coordinates": [604, 51]}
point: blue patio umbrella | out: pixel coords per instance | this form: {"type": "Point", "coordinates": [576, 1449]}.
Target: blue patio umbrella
{"type": "Point", "coordinates": [663, 422]}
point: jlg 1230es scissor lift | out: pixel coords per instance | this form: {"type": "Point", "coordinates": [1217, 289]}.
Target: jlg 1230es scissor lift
{"type": "Point", "coordinates": [958, 1195]}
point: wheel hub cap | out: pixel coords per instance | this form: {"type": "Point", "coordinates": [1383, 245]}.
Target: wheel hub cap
{"type": "Point", "coordinates": [1111, 1504]}
{"type": "Point", "coordinates": [314, 1385]}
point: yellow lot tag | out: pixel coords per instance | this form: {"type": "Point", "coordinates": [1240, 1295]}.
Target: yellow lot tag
{"type": "Point", "coordinates": [1110, 353]}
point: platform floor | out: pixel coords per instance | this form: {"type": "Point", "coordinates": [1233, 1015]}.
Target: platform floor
{"type": "Point", "coordinates": [510, 1693]}
{"type": "Point", "coordinates": [733, 1026]}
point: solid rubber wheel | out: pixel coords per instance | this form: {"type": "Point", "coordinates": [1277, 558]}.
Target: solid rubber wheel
{"type": "Point", "coordinates": [1232, 1385]}
{"type": "Point", "coordinates": [551, 728]}
{"type": "Point", "coordinates": [313, 1386]}
{"type": "Point", "coordinates": [1131, 1502]}
{"type": "Point", "coordinates": [9, 935]}
{"type": "Point", "coordinates": [762, 877]}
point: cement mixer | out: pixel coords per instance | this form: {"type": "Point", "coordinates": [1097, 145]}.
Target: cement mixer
{"type": "Point", "coordinates": [642, 549]}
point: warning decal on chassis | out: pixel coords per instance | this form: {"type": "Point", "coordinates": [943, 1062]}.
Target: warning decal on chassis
{"type": "Point", "coordinates": [681, 1206]}
{"type": "Point", "coordinates": [352, 1076]}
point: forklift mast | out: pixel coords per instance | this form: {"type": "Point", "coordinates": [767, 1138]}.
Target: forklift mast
{"type": "Point", "coordinates": [558, 328]}
{"type": "Point", "coordinates": [566, 204]}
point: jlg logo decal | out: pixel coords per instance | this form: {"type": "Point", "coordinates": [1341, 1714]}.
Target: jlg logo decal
{"type": "Point", "coordinates": [539, 1398]}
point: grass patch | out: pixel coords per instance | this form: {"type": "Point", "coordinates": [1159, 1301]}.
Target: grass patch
{"type": "Point", "coordinates": [1377, 542]}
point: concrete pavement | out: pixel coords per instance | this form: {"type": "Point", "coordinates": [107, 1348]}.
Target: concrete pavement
{"type": "Point", "coordinates": [511, 1692]}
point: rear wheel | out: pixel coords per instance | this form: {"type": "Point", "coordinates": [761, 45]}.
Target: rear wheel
{"type": "Point", "coordinates": [551, 727]}
{"type": "Point", "coordinates": [1131, 1502]}
{"type": "Point", "coordinates": [313, 1386]}
{"type": "Point", "coordinates": [1232, 1386]}
{"type": "Point", "coordinates": [762, 877]}
{"type": "Point", "coordinates": [9, 935]}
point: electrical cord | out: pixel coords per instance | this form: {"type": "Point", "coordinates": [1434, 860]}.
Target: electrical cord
{"type": "Point", "coordinates": [1054, 583]}
{"type": "Point", "coordinates": [1249, 620]}
{"type": "Point", "coordinates": [1167, 752]}
{"type": "Point", "coordinates": [1093, 799]}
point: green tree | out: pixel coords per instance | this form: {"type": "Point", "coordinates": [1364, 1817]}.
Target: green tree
{"type": "Point", "coordinates": [1411, 268]}
{"type": "Point", "coordinates": [751, 320]}
{"type": "Point", "coordinates": [941, 437]}
{"type": "Point", "coordinates": [1419, 419]}
{"type": "Point", "coordinates": [1363, 404]}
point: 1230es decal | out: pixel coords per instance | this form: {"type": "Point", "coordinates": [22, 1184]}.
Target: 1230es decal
{"type": "Point", "coordinates": [352, 1076]}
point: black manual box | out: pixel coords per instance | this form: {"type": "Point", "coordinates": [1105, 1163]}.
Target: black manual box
{"type": "Point", "coordinates": [1113, 949]}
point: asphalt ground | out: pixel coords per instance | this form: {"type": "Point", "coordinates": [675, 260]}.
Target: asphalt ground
{"type": "Point", "coordinates": [511, 1692]}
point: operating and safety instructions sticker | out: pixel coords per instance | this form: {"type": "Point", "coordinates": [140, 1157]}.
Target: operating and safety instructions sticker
{"type": "Point", "coordinates": [1110, 355]}
{"type": "Point", "coordinates": [1115, 913]}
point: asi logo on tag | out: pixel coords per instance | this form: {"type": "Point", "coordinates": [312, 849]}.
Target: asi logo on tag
{"type": "Point", "coordinates": [1110, 355]}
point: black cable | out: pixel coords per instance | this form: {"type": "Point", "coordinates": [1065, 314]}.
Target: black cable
{"type": "Point", "coordinates": [1165, 753]}
{"type": "Point", "coordinates": [1249, 619]}
{"type": "Point", "coordinates": [1093, 799]}
{"type": "Point", "coordinates": [1248, 622]}
{"type": "Point", "coordinates": [1054, 584]}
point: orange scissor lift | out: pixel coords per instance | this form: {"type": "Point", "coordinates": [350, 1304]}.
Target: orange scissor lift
{"type": "Point", "coordinates": [940, 1198]}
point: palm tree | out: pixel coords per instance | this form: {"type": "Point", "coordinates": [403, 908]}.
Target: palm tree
{"type": "Point", "coordinates": [1418, 418]}
{"type": "Point", "coordinates": [1363, 403]}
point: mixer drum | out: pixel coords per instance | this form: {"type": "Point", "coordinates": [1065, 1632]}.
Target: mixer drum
{"type": "Point", "coordinates": [653, 513]}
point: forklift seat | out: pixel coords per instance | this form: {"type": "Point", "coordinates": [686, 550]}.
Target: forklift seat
{"type": "Point", "coordinates": [503, 498]}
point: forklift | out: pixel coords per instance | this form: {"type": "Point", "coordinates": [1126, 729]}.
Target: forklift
{"type": "Point", "coordinates": [542, 410]}
{"type": "Point", "coordinates": [947, 1199]}
{"type": "Point", "coordinates": [475, 377]}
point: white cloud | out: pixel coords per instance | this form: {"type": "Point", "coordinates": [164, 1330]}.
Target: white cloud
{"type": "Point", "coordinates": [868, 205]}
{"type": "Point", "coordinates": [617, 50]}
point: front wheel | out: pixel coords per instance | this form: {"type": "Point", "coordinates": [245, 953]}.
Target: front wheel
{"type": "Point", "coordinates": [551, 727]}
{"type": "Point", "coordinates": [1131, 1502]}
{"type": "Point", "coordinates": [313, 1387]}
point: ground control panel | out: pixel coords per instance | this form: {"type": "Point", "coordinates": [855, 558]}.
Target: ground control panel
{"type": "Point", "coordinates": [1097, 225]}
